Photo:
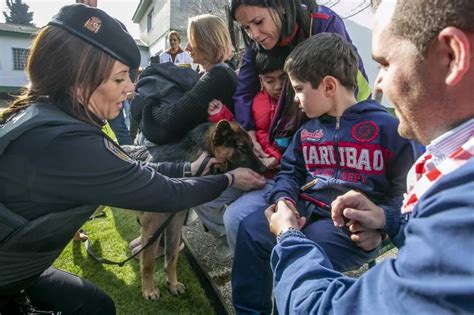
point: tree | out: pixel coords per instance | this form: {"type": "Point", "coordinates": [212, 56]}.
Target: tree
{"type": "Point", "coordinates": [18, 13]}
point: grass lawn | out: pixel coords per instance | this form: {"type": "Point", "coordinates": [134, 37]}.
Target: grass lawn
{"type": "Point", "coordinates": [109, 238]}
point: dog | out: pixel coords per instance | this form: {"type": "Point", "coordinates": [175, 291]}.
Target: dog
{"type": "Point", "coordinates": [226, 141]}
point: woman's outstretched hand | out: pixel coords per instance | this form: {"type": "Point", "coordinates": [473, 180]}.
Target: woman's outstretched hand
{"type": "Point", "coordinates": [245, 179]}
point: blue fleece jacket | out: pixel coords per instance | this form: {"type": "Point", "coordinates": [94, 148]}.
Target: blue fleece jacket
{"type": "Point", "coordinates": [361, 150]}
{"type": "Point", "coordinates": [433, 273]}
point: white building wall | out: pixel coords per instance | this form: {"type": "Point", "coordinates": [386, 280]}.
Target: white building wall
{"type": "Point", "coordinates": [156, 37]}
{"type": "Point", "coordinates": [359, 28]}
{"type": "Point", "coordinates": [8, 76]}
{"type": "Point", "coordinates": [145, 57]}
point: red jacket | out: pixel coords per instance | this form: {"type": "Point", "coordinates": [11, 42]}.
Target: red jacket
{"type": "Point", "coordinates": [224, 113]}
{"type": "Point", "coordinates": [263, 110]}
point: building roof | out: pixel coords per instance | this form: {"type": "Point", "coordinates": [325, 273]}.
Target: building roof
{"type": "Point", "coordinates": [141, 9]}
{"type": "Point", "coordinates": [19, 29]}
{"type": "Point", "coordinates": [28, 31]}
{"type": "Point", "coordinates": [139, 42]}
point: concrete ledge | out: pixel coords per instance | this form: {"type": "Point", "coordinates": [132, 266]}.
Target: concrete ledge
{"type": "Point", "coordinates": [203, 246]}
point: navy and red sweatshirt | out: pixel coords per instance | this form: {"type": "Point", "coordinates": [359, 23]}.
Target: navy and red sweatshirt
{"type": "Point", "coordinates": [360, 150]}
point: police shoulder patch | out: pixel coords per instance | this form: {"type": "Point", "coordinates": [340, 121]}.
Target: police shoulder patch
{"type": "Point", "coordinates": [116, 150]}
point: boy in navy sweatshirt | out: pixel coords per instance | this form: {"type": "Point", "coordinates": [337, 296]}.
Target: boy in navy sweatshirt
{"type": "Point", "coordinates": [346, 145]}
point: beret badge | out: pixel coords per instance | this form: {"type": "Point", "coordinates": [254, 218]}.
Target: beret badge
{"type": "Point", "coordinates": [93, 24]}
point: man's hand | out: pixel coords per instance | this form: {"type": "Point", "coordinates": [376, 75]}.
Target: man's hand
{"type": "Point", "coordinates": [357, 207]}
{"type": "Point", "coordinates": [367, 239]}
{"type": "Point", "coordinates": [257, 148]}
{"type": "Point", "coordinates": [282, 216]}
{"type": "Point", "coordinates": [246, 179]}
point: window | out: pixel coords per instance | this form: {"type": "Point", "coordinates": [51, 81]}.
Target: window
{"type": "Point", "coordinates": [20, 56]}
{"type": "Point", "coordinates": [149, 20]}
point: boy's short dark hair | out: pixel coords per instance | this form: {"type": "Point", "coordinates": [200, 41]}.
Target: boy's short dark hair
{"type": "Point", "coordinates": [271, 60]}
{"type": "Point", "coordinates": [321, 55]}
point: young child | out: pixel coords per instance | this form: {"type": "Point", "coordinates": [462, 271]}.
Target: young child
{"type": "Point", "coordinates": [345, 145]}
{"type": "Point", "coordinates": [269, 65]}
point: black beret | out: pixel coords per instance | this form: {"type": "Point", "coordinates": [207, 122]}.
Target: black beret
{"type": "Point", "coordinates": [101, 30]}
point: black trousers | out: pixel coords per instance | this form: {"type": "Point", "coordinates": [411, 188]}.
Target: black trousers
{"type": "Point", "coordinates": [64, 292]}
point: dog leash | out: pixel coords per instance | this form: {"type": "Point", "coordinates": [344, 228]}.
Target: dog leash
{"type": "Point", "coordinates": [150, 241]}
{"type": "Point", "coordinates": [203, 165]}
{"type": "Point", "coordinates": [155, 235]}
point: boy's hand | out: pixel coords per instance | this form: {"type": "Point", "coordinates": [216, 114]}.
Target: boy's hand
{"type": "Point", "coordinates": [357, 207]}
{"type": "Point", "coordinates": [214, 107]}
{"type": "Point", "coordinates": [282, 216]}
{"type": "Point", "coordinates": [257, 148]}
{"type": "Point", "coordinates": [270, 163]}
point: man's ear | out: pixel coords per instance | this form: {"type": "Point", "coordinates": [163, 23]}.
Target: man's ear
{"type": "Point", "coordinates": [457, 48]}
{"type": "Point", "coordinates": [222, 132]}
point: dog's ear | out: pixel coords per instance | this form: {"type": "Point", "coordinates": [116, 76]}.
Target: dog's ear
{"type": "Point", "coordinates": [223, 131]}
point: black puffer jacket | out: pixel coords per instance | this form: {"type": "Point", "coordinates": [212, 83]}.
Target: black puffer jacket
{"type": "Point", "coordinates": [170, 104]}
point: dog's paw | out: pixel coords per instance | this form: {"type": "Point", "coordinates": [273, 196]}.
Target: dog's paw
{"type": "Point", "coordinates": [151, 295]}
{"type": "Point", "coordinates": [177, 289]}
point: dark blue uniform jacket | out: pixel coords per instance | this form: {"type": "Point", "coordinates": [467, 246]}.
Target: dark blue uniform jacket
{"type": "Point", "coordinates": [55, 170]}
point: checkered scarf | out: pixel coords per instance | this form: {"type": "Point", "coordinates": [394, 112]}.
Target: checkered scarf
{"type": "Point", "coordinates": [420, 179]}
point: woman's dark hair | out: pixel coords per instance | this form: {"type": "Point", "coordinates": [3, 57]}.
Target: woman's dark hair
{"type": "Point", "coordinates": [65, 70]}
{"type": "Point", "coordinates": [271, 60]}
{"type": "Point", "coordinates": [290, 12]}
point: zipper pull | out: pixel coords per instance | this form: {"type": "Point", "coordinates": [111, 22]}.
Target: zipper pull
{"type": "Point", "coordinates": [338, 122]}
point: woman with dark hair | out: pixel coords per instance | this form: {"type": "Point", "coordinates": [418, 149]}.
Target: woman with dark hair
{"type": "Point", "coordinates": [56, 165]}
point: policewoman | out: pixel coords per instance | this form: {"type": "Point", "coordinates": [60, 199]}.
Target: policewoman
{"type": "Point", "coordinates": [56, 165]}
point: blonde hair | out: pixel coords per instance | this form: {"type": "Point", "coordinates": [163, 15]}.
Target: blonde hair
{"type": "Point", "coordinates": [175, 34]}
{"type": "Point", "coordinates": [209, 34]}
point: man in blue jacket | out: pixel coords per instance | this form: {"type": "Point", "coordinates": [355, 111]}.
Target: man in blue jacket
{"type": "Point", "coordinates": [427, 72]}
